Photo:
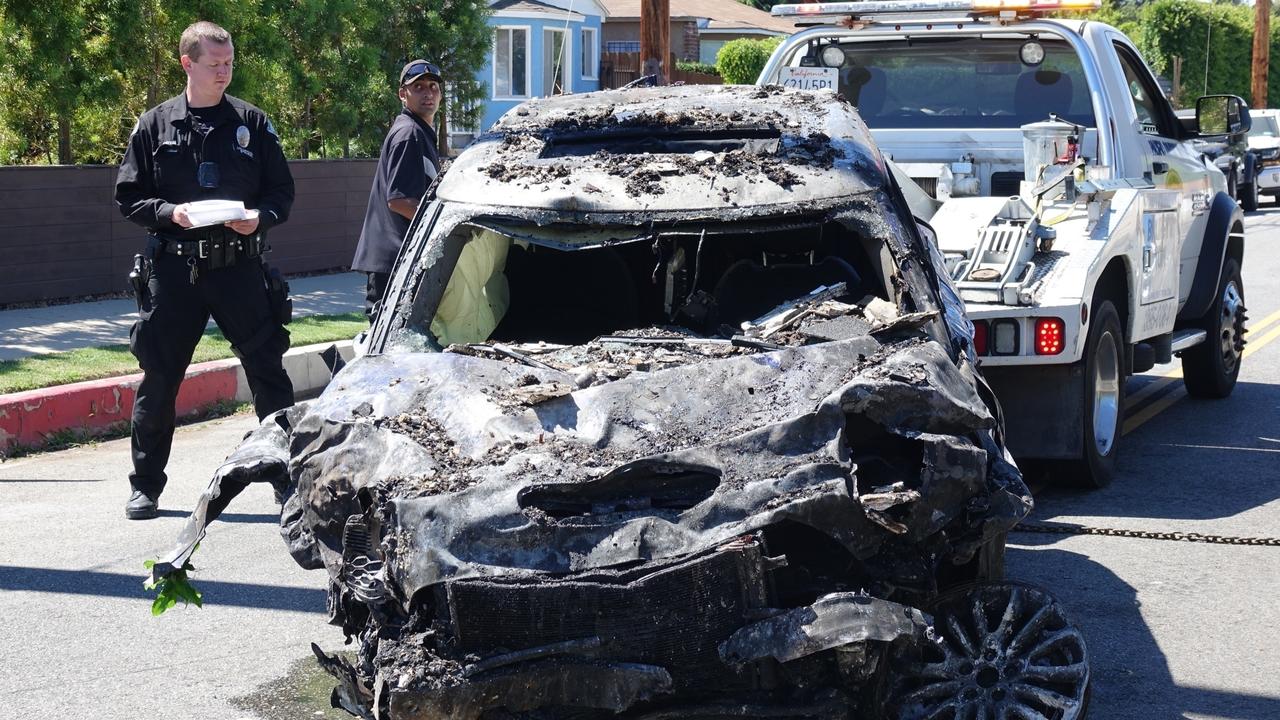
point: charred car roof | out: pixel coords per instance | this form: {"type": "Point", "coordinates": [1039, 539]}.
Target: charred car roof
{"type": "Point", "coordinates": [656, 149]}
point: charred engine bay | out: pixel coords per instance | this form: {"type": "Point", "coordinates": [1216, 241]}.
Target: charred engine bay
{"type": "Point", "coordinates": [620, 527]}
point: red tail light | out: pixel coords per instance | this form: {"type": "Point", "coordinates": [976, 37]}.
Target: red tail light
{"type": "Point", "coordinates": [980, 337]}
{"type": "Point", "coordinates": [1049, 336]}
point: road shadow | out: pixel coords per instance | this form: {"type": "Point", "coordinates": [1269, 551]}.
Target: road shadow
{"type": "Point", "coordinates": [271, 518]}
{"type": "Point", "coordinates": [1131, 676]}
{"type": "Point", "coordinates": [23, 481]}
{"type": "Point", "coordinates": [1197, 460]}
{"type": "Point", "coordinates": [122, 585]}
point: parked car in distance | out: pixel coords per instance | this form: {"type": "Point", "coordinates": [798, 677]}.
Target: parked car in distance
{"type": "Point", "coordinates": [1264, 142]}
{"type": "Point", "coordinates": [1234, 156]}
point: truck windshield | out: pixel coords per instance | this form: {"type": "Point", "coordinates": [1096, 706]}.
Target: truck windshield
{"type": "Point", "coordinates": [962, 82]}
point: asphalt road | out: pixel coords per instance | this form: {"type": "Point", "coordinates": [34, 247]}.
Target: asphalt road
{"type": "Point", "coordinates": [1176, 629]}
{"type": "Point", "coordinates": [1179, 629]}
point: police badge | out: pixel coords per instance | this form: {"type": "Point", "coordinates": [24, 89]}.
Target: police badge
{"type": "Point", "coordinates": [242, 136]}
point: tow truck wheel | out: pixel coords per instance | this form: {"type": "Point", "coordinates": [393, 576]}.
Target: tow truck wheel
{"type": "Point", "coordinates": [1002, 650]}
{"type": "Point", "coordinates": [1210, 369]}
{"type": "Point", "coordinates": [1103, 398]}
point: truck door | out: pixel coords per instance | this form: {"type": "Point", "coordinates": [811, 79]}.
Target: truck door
{"type": "Point", "coordinates": [1170, 212]}
{"type": "Point", "coordinates": [1175, 166]}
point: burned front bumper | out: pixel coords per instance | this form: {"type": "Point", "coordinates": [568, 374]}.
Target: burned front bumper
{"type": "Point", "coordinates": [691, 637]}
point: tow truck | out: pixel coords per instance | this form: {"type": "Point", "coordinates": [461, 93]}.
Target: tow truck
{"type": "Point", "coordinates": [1087, 237]}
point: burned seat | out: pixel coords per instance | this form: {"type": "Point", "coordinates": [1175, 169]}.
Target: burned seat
{"type": "Point", "coordinates": [749, 289]}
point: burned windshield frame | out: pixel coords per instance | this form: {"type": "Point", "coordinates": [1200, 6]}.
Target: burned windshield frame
{"type": "Point", "coordinates": [872, 243]}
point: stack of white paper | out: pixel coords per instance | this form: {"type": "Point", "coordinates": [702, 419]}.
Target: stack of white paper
{"type": "Point", "coordinates": [214, 212]}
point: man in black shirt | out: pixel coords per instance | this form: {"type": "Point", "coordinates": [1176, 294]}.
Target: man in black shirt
{"type": "Point", "coordinates": [407, 165]}
{"type": "Point", "coordinates": [201, 145]}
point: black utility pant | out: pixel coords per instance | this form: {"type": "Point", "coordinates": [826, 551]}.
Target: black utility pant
{"type": "Point", "coordinates": [375, 289]}
{"type": "Point", "coordinates": [172, 319]}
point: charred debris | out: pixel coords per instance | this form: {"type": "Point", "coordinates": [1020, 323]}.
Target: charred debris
{"type": "Point", "coordinates": [614, 527]}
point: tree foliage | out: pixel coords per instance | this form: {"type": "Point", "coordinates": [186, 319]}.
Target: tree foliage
{"type": "Point", "coordinates": [740, 61]}
{"type": "Point", "coordinates": [1214, 41]}
{"type": "Point", "coordinates": [75, 74]}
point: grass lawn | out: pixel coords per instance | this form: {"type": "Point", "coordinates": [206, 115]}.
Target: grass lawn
{"type": "Point", "coordinates": [113, 360]}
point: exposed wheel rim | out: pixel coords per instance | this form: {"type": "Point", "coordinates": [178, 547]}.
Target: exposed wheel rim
{"type": "Point", "coordinates": [1231, 326]}
{"type": "Point", "coordinates": [1106, 393]}
{"type": "Point", "coordinates": [1004, 651]}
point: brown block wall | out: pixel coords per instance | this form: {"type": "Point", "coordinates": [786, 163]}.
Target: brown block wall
{"type": "Point", "coordinates": [61, 234]}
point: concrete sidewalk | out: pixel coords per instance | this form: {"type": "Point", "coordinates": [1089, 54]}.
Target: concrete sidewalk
{"type": "Point", "coordinates": [29, 418]}
{"type": "Point", "coordinates": [59, 328]}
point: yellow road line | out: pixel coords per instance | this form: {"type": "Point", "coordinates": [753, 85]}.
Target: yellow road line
{"type": "Point", "coordinates": [1258, 326]}
{"type": "Point", "coordinates": [1137, 419]}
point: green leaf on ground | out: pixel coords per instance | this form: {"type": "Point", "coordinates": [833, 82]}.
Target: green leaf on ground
{"type": "Point", "coordinates": [42, 371]}
{"type": "Point", "coordinates": [171, 588]}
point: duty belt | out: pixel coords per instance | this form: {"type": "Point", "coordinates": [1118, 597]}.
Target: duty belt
{"type": "Point", "coordinates": [217, 249]}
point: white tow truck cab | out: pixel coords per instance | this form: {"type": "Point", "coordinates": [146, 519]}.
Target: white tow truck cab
{"type": "Point", "coordinates": [1086, 236]}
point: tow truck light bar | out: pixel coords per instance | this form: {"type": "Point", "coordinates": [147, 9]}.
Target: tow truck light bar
{"type": "Point", "coordinates": [902, 7]}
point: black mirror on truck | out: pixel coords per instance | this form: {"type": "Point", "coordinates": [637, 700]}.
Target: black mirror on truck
{"type": "Point", "coordinates": [1222, 115]}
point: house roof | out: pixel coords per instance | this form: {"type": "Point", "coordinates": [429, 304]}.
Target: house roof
{"type": "Point", "coordinates": [533, 7]}
{"type": "Point", "coordinates": [720, 14]}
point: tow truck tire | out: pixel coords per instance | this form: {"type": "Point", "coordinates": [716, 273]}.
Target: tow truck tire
{"type": "Point", "coordinates": [1248, 196]}
{"type": "Point", "coordinates": [1210, 369]}
{"type": "Point", "coordinates": [1103, 398]}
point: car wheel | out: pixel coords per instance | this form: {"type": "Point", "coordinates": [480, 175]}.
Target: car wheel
{"type": "Point", "coordinates": [1210, 369]}
{"type": "Point", "coordinates": [1248, 196]}
{"type": "Point", "coordinates": [1003, 650]}
{"type": "Point", "coordinates": [1104, 378]}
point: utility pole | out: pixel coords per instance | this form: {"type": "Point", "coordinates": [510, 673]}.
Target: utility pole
{"type": "Point", "coordinates": [655, 38]}
{"type": "Point", "coordinates": [1261, 51]}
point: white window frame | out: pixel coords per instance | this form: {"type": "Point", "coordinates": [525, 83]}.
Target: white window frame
{"type": "Point", "coordinates": [594, 46]}
{"type": "Point", "coordinates": [528, 62]}
{"type": "Point", "coordinates": [566, 52]}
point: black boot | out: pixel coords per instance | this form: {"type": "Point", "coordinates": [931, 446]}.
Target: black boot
{"type": "Point", "coordinates": [141, 506]}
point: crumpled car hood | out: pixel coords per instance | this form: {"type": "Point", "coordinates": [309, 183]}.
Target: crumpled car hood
{"type": "Point", "coordinates": [655, 465]}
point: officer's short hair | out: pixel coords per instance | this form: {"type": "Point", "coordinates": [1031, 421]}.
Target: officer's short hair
{"type": "Point", "coordinates": [189, 45]}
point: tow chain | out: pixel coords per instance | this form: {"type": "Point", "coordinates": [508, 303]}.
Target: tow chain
{"type": "Point", "coordinates": [1069, 529]}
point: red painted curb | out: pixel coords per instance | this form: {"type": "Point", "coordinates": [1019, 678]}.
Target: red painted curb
{"type": "Point", "coordinates": [27, 418]}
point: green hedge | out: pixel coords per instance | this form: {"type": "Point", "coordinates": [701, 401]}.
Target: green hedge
{"type": "Point", "coordinates": [740, 61]}
{"type": "Point", "coordinates": [695, 66]}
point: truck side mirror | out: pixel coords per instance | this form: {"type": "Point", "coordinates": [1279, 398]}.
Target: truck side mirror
{"type": "Point", "coordinates": [1222, 115]}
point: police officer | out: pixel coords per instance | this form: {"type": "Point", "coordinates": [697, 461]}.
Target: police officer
{"type": "Point", "coordinates": [406, 166]}
{"type": "Point", "coordinates": [201, 145]}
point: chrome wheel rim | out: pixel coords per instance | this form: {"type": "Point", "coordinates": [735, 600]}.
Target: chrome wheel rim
{"type": "Point", "coordinates": [1003, 652]}
{"type": "Point", "coordinates": [1231, 326]}
{"type": "Point", "coordinates": [1106, 393]}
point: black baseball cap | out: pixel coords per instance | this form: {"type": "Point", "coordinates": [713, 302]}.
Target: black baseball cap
{"type": "Point", "coordinates": [415, 69]}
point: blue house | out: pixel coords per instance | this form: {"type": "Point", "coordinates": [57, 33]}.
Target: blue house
{"type": "Point", "coordinates": [540, 48]}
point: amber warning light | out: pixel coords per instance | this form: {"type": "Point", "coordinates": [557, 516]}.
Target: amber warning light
{"type": "Point", "coordinates": [1049, 336]}
{"type": "Point", "coordinates": [898, 7]}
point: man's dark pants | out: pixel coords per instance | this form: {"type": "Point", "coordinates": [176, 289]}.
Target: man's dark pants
{"type": "Point", "coordinates": [374, 290]}
{"type": "Point", "coordinates": [172, 320]}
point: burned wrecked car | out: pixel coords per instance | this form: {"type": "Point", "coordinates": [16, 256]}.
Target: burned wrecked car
{"type": "Point", "coordinates": [669, 414]}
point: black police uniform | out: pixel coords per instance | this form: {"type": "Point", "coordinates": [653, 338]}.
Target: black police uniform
{"type": "Point", "coordinates": [407, 164]}
{"type": "Point", "coordinates": [179, 154]}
